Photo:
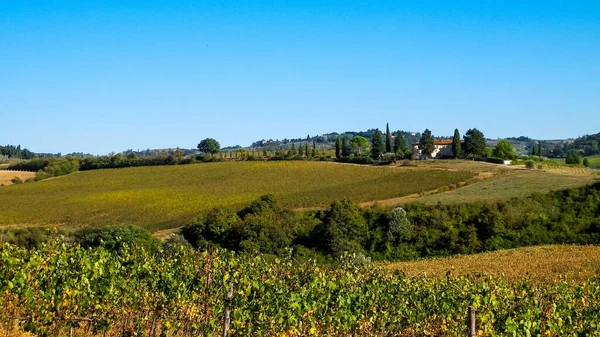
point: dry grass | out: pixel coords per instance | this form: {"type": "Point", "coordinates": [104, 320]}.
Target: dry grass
{"type": "Point", "coordinates": [544, 263]}
{"type": "Point", "coordinates": [6, 176]}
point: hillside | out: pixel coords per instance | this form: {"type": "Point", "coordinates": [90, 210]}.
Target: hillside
{"type": "Point", "coordinates": [161, 197]}
{"type": "Point", "coordinates": [544, 263]}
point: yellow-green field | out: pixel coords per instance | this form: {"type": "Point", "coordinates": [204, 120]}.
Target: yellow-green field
{"type": "Point", "coordinates": [162, 197]}
{"type": "Point", "coordinates": [498, 182]}
{"type": "Point", "coordinates": [544, 263]}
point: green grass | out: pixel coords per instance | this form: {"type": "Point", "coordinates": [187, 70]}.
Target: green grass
{"type": "Point", "coordinates": [515, 183]}
{"type": "Point", "coordinates": [594, 162]}
{"type": "Point", "coordinates": [169, 196]}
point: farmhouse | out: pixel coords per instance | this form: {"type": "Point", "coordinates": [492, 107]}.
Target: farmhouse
{"type": "Point", "coordinates": [443, 149]}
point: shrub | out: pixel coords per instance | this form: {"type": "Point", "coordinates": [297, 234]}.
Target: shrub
{"type": "Point", "coordinates": [529, 164]}
{"type": "Point", "coordinates": [30, 180]}
{"type": "Point", "coordinates": [115, 237]}
{"type": "Point", "coordinates": [388, 157]}
{"type": "Point", "coordinates": [16, 180]}
{"type": "Point", "coordinates": [586, 162]}
{"type": "Point", "coordinates": [540, 166]}
{"type": "Point", "coordinates": [573, 158]}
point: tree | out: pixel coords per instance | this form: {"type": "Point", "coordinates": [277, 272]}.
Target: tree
{"type": "Point", "coordinates": [474, 143]}
{"type": "Point", "coordinates": [344, 228]}
{"type": "Point", "coordinates": [338, 147]}
{"type": "Point", "coordinates": [209, 146]}
{"type": "Point", "coordinates": [346, 148]}
{"type": "Point", "coordinates": [306, 149]}
{"type": "Point", "coordinates": [558, 152]}
{"type": "Point", "coordinates": [399, 145]}
{"type": "Point", "coordinates": [539, 149]}
{"type": "Point", "coordinates": [377, 145]}
{"type": "Point", "coordinates": [573, 158]}
{"type": "Point", "coordinates": [388, 139]}
{"type": "Point", "coordinates": [504, 150]}
{"type": "Point", "coordinates": [533, 149]}
{"type": "Point", "coordinates": [586, 162]}
{"type": "Point", "coordinates": [314, 149]}
{"type": "Point", "coordinates": [359, 145]}
{"type": "Point", "coordinates": [426, 143]}
{"type": "Point", "coordinates": [456, 144]}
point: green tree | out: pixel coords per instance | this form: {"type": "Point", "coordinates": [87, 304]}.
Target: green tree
{"type": "Point", "coordinates": [504, 150]}
{"type": "Point", "coordinates": [306, 150]}
{"type": "Point", "coordinates": [474, 143]}
{"type": "Point", "coordinates": [533, 149]}
{"type": "Point", "coordinates": [314, 149]}
{"type": "Point", "coordinates": [456, 144]}
{"type": "Point", "coordinates": [377, 145]}
{"type": "Point", "coordinates": [388, 139]}
{"type": "Point", "coordinates": [209, 146]}
{"type": "Point", "coordinates": [573, 158]}
{"type": "Point", "coordinates": [346, 147]}
{"type": "Point", "coordinates": [338, 147]}
{"type": "Point", "coordinates": [399, 145]}
{"type": "Point", "coordinates": [586, 162]}
{"type": "Point", "coordinates": [359, 145]}
{"type": "Point", "coordinates": [539, 149]}
{"type": "Point", "coordinates": [344, 228]}
{"type": "Point", "coordinates": [426, 143]}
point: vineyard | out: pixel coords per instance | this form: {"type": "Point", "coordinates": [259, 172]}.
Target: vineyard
{"type": "Point", "coordinates": [160, 197]}
{"type": "Point", "coordinates": [61, 289]}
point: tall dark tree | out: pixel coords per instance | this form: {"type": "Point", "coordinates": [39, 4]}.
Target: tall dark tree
{"type": "Point", "coordinates": [388, 138]}
{"type": "Point", "coordinates": [533, 149]}
{"type": "Point", "coordinates": [474, 143]}
{"type": "Point", "coordinates": [306, 150]}
{"type": "Point", "coordinates": [209, 146]}
{"type": "Point", "coordinates": [426, 143]}
{"type": "Point", "coordinates": [314, 149]}
{"type": "Point", "coordinates": [338, 147]}
{"type": "Point", "coordinates": [399, 145]}
{"type": "Point", "coordinates": [346, 148]}
{"type": "Point", "coordinates": [456, 148]}
{"type": "Point", "coordinates": [377, 144]}
{"type": "Point", "coordinates": [539, 149]}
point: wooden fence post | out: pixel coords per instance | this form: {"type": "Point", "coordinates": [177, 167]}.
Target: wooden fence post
{"type": "Point", "coordinates": [227, 318]}
{"type": "Point", "coordinates": [472, 326]}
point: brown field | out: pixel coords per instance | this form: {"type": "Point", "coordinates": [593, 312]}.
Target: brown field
{"type": "Point", "coordinates": [6, 176]}
{"type": "Point", "coordinates": [544, 263]}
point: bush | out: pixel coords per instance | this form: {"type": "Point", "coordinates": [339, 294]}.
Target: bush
{"type": "Point", "coordinates": [586, 162]}
{"type": "Point", "coordinates": [540, 166]}
{"type": "Point", "coordinates": [115, 237]}
{"type": "Point", "coordinates": [529, 164]}
{"type": "Point", "coordinates": [16, 180]}
{"type": "Point", "coordinates": [363, 160]}
{"type": "Point", "coordinates": [388, 157]}
{"type": "Point", "coordinates": [573, 158]}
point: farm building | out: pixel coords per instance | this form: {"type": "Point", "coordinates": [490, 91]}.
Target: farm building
{"type": "Point", "coordinates": [443, 149]}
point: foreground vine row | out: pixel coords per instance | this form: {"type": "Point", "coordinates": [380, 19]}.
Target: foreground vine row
{"type": "Point", "coordinates": [63, 289]}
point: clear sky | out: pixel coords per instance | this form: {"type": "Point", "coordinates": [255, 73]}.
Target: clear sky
{"type": "Point", "coordinates": [102, 76]}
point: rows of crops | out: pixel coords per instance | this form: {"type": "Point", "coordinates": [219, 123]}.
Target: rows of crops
{"type": "Point", "coordinates": [170, 196]}
{"type": "Point", "coordinates": [60, 289]}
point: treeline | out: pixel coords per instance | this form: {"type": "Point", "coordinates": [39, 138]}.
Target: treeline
{"type": "Point", "coordinates": [16, 152]}
{"type": "Point", "coordinates": [570, 216]}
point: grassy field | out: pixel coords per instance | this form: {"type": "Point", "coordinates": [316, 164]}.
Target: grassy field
{"type": "Point", "coordinates": [500, 183]}
{"type": "Point", "coordinates": [544, 263]}
{"type": "Point", "coordinates": [168, 196]}
{"type": "Point", "coordinates": [6, 176]}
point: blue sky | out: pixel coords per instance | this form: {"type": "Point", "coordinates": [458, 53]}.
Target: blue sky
{"type": "Point", "coordinates": [102, 76]}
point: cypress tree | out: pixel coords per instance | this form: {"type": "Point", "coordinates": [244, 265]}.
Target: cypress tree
{"type": "Point", "coordinates": [539, 151]}
{"type": "Point", "coordinates": [346, 150]}
{"type": "Point", "coordinates": [338, 148]}
{"type": "Point", "coordinates": [388, 138]}
{"type": "Point", "coordinates": [376, 144]}
{"type": "Point", "coordinates": [306, 149]}
{"type": "Point", "coordinates": [399, 144]}
{"type": "Point", "coordinates": [314, 149]}
{"type": "Point", "coordinates": [456, 144]}
{"type": "Point", "coordinates": [533, 149]}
